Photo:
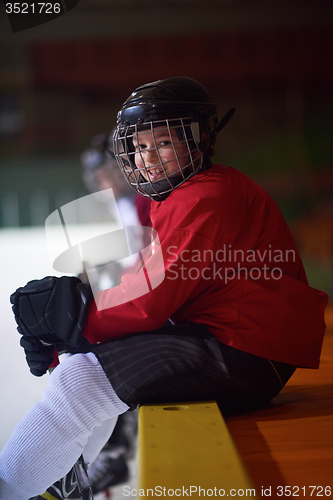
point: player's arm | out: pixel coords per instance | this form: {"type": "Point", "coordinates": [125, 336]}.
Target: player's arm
{"type": "Point", "coordinates": [149, 310]}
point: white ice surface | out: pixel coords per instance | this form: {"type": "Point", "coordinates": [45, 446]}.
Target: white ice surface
{"type": "Point", "coordinates": [23, 257]}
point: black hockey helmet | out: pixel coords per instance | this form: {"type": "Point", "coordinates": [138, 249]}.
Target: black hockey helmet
{"type": "Point", "coordinates": [184, 109]}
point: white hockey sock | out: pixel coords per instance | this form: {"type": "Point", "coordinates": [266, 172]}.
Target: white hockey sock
{"type": "Point", "coordinates": [98, 439]}
{"type": "Point", "coordinates": [53, 433]}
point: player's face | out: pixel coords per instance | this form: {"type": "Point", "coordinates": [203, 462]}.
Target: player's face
{"type": "Point", "coordinates": [159, 153]}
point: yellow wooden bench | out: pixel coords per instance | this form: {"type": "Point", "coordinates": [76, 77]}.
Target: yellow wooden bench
{"type": "Point", "coordinates": [186, 450]}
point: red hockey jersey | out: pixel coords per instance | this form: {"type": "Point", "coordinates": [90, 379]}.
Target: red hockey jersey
{"type": "Point", "coordinates": [230, 262]}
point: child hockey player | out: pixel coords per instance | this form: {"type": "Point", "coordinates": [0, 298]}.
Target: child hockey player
{"type": "Point", "coordinates": [232, 317]}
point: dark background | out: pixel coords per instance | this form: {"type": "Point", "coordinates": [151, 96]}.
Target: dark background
{"type": "Point", "coordinates": [63, 82]}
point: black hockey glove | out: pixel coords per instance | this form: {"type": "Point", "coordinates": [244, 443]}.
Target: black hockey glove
{"type": "Point", "coordinates": [53, 310]}
{"type": "Point", "coordinates": [39, 356]}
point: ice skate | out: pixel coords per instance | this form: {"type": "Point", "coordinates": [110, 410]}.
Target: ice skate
{"type": "Point", "coordinates": [61, 489]}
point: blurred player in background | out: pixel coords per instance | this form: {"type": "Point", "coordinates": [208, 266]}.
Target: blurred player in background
{"type": "Point", "coordinates": [100, 171]}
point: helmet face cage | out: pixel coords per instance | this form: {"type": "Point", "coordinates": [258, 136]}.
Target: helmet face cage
{"type": "Point", "coordinates": [184, 158]}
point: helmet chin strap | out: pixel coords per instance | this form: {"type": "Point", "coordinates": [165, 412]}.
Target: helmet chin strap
{"type": "Point", "coordinates": [162, 187]}
{"type": "Point", "coordinates": [165, 187]}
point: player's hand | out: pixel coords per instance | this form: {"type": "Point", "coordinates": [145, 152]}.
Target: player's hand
{"type": "Point", "coordinates": [53, 310]}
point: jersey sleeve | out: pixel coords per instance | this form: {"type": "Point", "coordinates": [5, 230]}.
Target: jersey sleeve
{"type": "Point", "coordinates": [137, 305]}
